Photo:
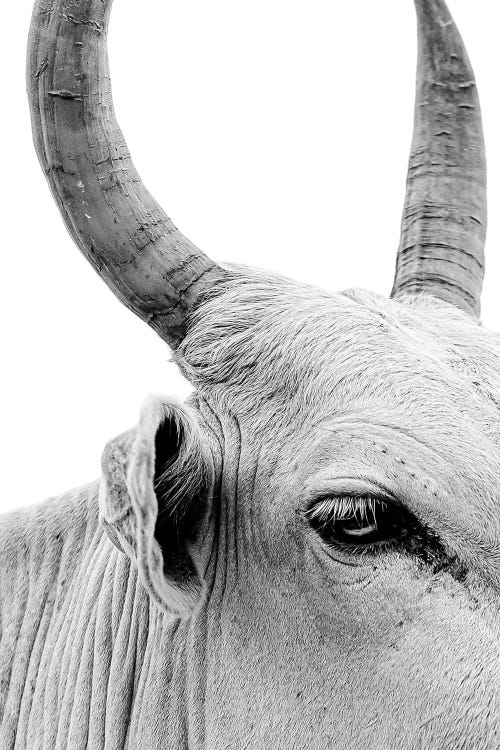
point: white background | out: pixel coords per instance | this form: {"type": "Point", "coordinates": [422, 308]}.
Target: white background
{"type": "Point", "coordinates": [274, 132]}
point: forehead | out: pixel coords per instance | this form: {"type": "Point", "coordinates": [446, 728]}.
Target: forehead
{"type": "Point", "coordinates": [272, 343]}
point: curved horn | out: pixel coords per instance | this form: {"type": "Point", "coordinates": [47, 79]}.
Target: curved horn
{"type": "Point", "coordinates": [123, 232]}
{"type": "Point", "coordinates": [444, 220]}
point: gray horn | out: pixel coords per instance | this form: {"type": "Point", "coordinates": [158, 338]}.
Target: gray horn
{"type": "Point", "coordinates": [444, 220]}
{"type": "Point", "coordinates": [156, 272]}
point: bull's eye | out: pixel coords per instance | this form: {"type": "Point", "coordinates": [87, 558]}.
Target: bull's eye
{"type": "Point", "coordinates": [375, 523]}
{"type": "Point", "coordinates": [360, 523]}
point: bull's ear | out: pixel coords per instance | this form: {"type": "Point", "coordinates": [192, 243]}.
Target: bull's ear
{"type": "Point", "coordinates": [153, 499]}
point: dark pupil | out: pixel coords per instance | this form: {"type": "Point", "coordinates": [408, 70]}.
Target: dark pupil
{"type": "Point", "coordinates": [356, 528]}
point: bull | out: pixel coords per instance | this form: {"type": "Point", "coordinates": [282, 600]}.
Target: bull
{"type": "Point", "coordinates": [306, 554]}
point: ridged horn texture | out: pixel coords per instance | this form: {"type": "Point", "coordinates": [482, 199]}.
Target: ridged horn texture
{"type": "Point", "coordinates": [444, 219]}
{"type": "Point", "coordinates": [156, 272]}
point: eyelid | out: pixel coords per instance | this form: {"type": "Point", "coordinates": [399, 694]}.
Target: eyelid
{"type": "Point", "coordinates": [352, 486]}
{"type": "Point", "coordinates": [344, 507]}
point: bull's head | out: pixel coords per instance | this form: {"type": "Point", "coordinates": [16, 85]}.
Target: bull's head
{"type": "Point", "coordinates": [323, 515]}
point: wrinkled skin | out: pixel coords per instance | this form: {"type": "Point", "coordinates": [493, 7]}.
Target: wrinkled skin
{"type": "Point", "coordinates": [283, 641]}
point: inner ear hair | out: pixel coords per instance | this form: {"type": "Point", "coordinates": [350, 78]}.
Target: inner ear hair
{"type": "Point", "coordinates": [181, 485]}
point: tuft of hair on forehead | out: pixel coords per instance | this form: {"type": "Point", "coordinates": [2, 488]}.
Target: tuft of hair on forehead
{"type": "Point", "coordinates": [266, 335]}
{"type": "Point", "coordinates": [254, 324]}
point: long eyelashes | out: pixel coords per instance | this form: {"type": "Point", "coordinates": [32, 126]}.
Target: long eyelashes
{"type": "Point", "coordinates": [363, 509]}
